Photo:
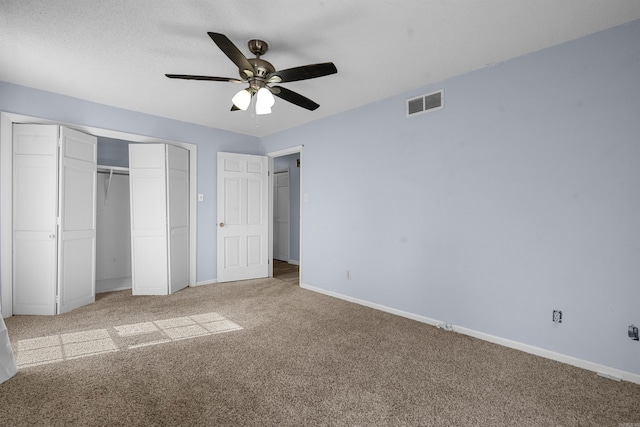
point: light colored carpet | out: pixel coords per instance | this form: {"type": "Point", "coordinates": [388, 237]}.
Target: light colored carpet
{"type": "Point", "coordinates": [268, 353]}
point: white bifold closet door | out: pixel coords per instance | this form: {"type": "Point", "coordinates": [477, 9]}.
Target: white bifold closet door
{"type": "Point", "coordinates": [54, 219]}
{"type": "Point", "coordinates": [159, 192]}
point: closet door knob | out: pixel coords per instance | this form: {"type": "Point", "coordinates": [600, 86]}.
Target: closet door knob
{"type": "Point", "coordinates": [222, 224]}
{"type": "Point", "coordinates": [52, 236]}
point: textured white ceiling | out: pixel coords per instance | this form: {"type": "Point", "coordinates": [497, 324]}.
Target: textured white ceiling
{"type": "Point", "coordinates": [116, 52]}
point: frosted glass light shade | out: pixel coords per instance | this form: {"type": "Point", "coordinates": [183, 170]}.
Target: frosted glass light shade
{"type": "Point", "coordinates": [242, 99]}
{"type": "Point", "coordinates": [265, 99]}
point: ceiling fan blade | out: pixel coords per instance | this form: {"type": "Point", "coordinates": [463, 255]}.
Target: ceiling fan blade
{"type": "Point", "coordinates": [294, 97]}
{"type": "Point", "coordinates": [210, 78]}
{"type": "Point", "coordinates": [302, 73]}
{"type": "Point", "coordinates": [234, 108]}
{"type": "Point", "coordinates": [232, 52]}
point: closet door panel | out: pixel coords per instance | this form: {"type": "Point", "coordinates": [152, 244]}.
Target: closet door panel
{"type": "Point", "coordinates": [149, 272]}
{"type": "Point", "coordinates": [35, 205]}
{"type": "Point", "coordinates": [149, 192]}
{"type": "Point", "coordinates": [148, 204]}
{"type": "Point", "coordinates": [178, 197]}
{"type": "Point", "coordinates": [179, 259]}
{"type": "Point", "coordinates": [34, 289]}
{"type": "Point", "coordinates": [77, 229]}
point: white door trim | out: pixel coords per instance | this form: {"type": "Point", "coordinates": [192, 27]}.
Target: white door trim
{"type": "Point", "coordinates": [279, 153]}
{"type": "Point", "coordinates": [6, 167]}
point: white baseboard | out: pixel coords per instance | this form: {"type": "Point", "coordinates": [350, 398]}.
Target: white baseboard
{"type": "Point", "coordinates": [384, 308]}
{"type": "Point", "coordinates": [602, 370]}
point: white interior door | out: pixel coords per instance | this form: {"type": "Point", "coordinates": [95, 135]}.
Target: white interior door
{"type": "Point", "coordinates": [281, 216]}
{"type": "Point", "coordinates": [35, 207]}
{"type": "Point", "coordinates": [77, 224]}
{"type": "Point", "coordinates": [243, 217]}
{"type": "Point", "coordinates": [149, 250]}
{"type": "Point", "coordinates": [178, 196]}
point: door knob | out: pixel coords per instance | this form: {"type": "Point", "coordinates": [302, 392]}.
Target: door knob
{"type": "Point", "coordinates": [222, 224]}
{"type": "Point", "coordinates": [52, 236]}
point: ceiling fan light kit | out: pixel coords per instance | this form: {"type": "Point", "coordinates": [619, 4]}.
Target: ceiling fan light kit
{"type": "Point", "coordinates": [258, 74]}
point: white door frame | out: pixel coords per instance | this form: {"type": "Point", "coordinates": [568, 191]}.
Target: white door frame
{"type": "Point", "coordinates": [272, 155]}
{"type": "Point", "coordinates": [6, 208]}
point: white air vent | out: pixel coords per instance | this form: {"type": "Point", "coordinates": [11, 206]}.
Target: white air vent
{"type": "Point", "coordinates": [425, 103]}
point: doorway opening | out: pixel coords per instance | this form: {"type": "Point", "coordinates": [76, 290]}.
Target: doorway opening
{"type": "Point", "coordinates": [282, 270]}
{"type": "Point", "coordinates": [286, 211]}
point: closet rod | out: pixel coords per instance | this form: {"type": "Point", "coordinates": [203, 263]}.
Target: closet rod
{"type": "Point", "coordinates": [107, 169]}
{"type": "Point", "coordinates": [112, 172]}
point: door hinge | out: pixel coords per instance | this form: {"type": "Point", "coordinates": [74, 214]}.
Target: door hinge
{"type": "Point", "coordinates": [57, 299]}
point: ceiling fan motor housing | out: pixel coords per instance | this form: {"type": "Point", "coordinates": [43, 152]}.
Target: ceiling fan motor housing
{"type": "Point", "coordinates": [261, 68]}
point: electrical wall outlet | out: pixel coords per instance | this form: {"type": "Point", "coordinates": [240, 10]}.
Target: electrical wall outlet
{"type": "Point", "coordinates": [557, 316]}
{"type": "Point", "coordinates": [633, 333]}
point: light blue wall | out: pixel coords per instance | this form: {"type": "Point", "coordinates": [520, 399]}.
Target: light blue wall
{"type": "Point", "coordinates": [113, 152]}
{"type": "Point", "coordinates": [520, 197]}
{"type": "Point", "coordinates": [50, 106]}
{"type": "Point", "coordinates": [290, 162]}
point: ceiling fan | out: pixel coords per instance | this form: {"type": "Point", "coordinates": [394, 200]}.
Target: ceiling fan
{"type": "Point", "coordinates": [260, 74]}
